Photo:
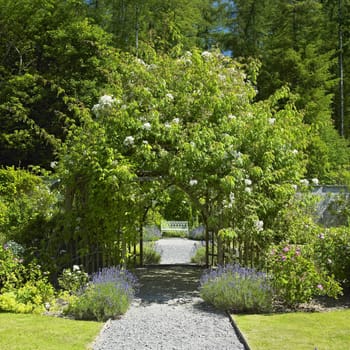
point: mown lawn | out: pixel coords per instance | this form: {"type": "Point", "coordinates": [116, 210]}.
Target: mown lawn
{"type": "Point", "coordinates": [29, 332]}
{"type": "Point", "coordinates": [296, 331]}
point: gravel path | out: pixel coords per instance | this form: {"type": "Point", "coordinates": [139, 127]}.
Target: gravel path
{"type": "Point", "coordinates": [168, 313]}
{"type": "Point", "coordinates": [176, 250]}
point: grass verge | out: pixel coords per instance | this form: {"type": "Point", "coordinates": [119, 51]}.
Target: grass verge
{"type": "Point", "coordinates": [296, 331]}
{"type": "Point", "coordinates": [27, 331]}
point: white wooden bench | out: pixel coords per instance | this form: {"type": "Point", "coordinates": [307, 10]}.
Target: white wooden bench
{"type": "Point", "coordinates": [180, 226]}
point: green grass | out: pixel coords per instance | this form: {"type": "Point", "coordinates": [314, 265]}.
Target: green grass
{"type": "Point", "coordinates": [296, 331]}
{"type": "Point", "coordinates": [29, 332]}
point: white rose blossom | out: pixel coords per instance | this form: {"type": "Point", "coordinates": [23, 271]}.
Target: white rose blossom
{"type": "Point", "coordinates": [304, 182]}
{"type": "Point", "coordinates": [170, 96]}
{"type": "Point", "coordinates": [206, 54]}
{"type": "Point", "coordinates": [105, 103]}
{"type": "Point", "coordinates": [247, 182]}
{"type": "Point", "coordinates": [146, 126]}
{"type": "Point", "coordinates": [315, 181]}
{"type": "Point", "coordinates": [129, 140]}
{"type": "Point", "coordinates": [193, 182]}
{"type": "Point", "coordinates": [272, 121]}
{"type": "Point", "coordinates": [176, 120]}
{"type": "Point", "coordinates": [248, 190]}
{"type": "Point", "coordinates": [259, 225]}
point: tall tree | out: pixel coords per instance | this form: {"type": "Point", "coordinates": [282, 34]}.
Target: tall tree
{"type": "Point", "coordinates": [52, 64]}
{"type": "Point", "coordinates": [293, 52]}
{"type": "Point", "coordinates": [164, 25]}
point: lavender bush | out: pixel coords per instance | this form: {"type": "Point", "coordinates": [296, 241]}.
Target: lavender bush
{"type": "Point", "coordinates": [237, 288]}
{"type": "Point", "coordinates": [108, 295]}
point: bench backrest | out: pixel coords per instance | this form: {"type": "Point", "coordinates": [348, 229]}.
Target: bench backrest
{"type": "Point", "coordinates": [174, 226]}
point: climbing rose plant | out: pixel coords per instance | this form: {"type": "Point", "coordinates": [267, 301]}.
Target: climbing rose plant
{"type": "Point", "coordinates": [191, 122]}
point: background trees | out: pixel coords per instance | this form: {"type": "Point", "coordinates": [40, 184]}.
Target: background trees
{"type": "Point", "coordinates": [234, 136]}
{"type": "Point", "coordinates": [298, 49]}
{"type": "Point", "coordinates": [53, 62]}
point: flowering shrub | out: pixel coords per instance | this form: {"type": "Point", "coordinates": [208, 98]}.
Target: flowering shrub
{"type": "Point", "coordinates": [73, 280]}
{"type": "Point", "coordinates": [332, 252]}
{"type": "Point", "coordinates": [237, 288]}
{"type": "Point", "coordinates": [108, 295]}
{"type": "Point", "coordinates": [296, 279]}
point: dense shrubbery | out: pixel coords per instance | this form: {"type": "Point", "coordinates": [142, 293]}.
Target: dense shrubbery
{"type": "Point", "coordinates": [332, 252]}
{"type": "Point", "coordinates": [295, 276]}
{"type": "Point", "coordinates": [23, 288]}
{"type": "Point", "coordinates": [237, 288]}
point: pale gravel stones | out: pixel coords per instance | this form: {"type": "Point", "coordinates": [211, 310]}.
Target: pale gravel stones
{"type": "Point", "coordinates": [186, 326]}
{"type": "Point", "coordinates": [168, 313]}
{"type": "Point", "coordinates": [176, 250]}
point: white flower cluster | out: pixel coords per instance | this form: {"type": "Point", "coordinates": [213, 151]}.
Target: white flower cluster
{"type": "Point", "coordinates": [315, 181]}
{"type": "Point", "coordinates": [304, 182]}
{"type": "Point", "coordinates": [169, 97]}
{"type": "Point", "coordinates": [248, 183]}
{"type": "Point", "coordinates": [193, 182]}
{"type": "Point", "coordinates": [229, 203]}
{"type": "Point", "coordinates": [272, 121]}
{"type": "Point", "coordinates": [146, 126]}
{"type": "Point", "coordinates": [129, 141]}
{"type": "Point", "coordinates": [104, 105]}
{"type": "Point", "coordinates": [259, 225]}
{"type": "Point", "coordinates": [206, 55]}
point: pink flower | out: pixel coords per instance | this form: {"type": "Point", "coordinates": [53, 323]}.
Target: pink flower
{"type": "Point", "coordinates": [286, 249]}
{"type": "Point", "coordinates": [320, 287]}
{"type": "Point", "coordinates": [321, 236]}
{"type": "Point", "coordinates": [297, 252]}
{"type": "Point", "coordinates": [283, 257]}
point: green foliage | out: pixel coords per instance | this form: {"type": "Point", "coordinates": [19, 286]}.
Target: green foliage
{"type": "Point", "coordinates": [199, 256]}
{"type": "Point", "coordinates": [296, 278]}
{"type": "Point", "coordinates": [12, 271]}
{"type": "Point", "coordinates": [297, 50]}
{"type": "Point", "coordinates": [189, 122]}
{"type": "Point", "coordinates": [26, 197]}
{"type": "Point", "coordinates": [53, 60]}
{"type": "Point", "coordinates": [332, 252]}
{"type": "Point", "coordinates": [236, 288]}
{"type": "Point", "coordinates": [23, 288]}
{"type": "Point", "coordinates": [166, 26]}
{"type": "Point", "coordinates": [150, 254]}
{"type": "Point", "coordinates": [32, 297]}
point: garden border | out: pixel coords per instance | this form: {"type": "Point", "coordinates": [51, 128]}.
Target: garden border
{"type": "Point", "coordinates": [239, 334]}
